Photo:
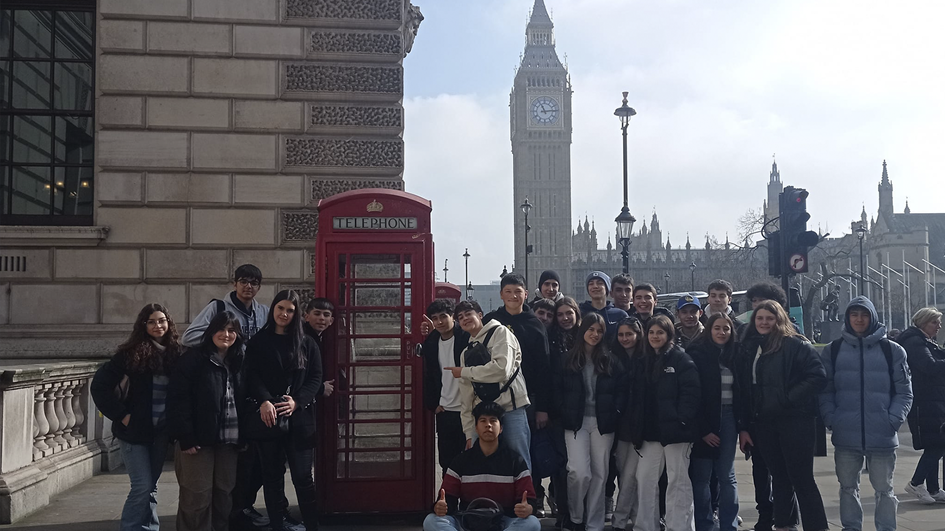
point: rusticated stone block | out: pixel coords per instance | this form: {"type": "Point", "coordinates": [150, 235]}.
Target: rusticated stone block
{"type": "Point", "coordinates": [146, 9]}
{"type": "Point", "coordinates": [333, 78]}
{"type": "Point", "coordinates": [122, 302]}
{"type": "Point", "coordinates": [120, 110]}
{"type": "Point", "coordinates": [350, 42]}
{"type": "Point", "coordinates": [136, 149]}
{"type": "Point", "coordinates": [344, 153]}
{"type": "Point", "coordinates": [25, 263]}
{"type": "Point", "coordinates": [323, 188]}
{"type": "Point", "coordinates": [353, 9]}
{"type": "Point", "coordinates": [98, 263]}
{"type": "Point", "coordinates": [300, 225]}
{"type": "Point", "coordinates": [267, 189]}
{"type": "Point", "coordinates": [356, 116]}
{"type": "Point", "coordinates": [188, 188]}
{"type": "Point", "coordinates": [268, 41]}
{"type": "Point", "coordinates": [233, 226]}
{"type": "Point", "coordinates": [121, 35]}
{"type": "Point", "coordinates": [152, 225]}
{"type": "Point", "coordinates": [142, 73]}
{"type": "Point", "coordinates": [268, 115]}
{"type": "Point", "coordinates": [190, 113]}
{"type": "Point", "coordinates": [236, 10]}
{"type": "Point", "coordinates": [74, 303]}
{"type": "Point", "coordinates": [189, 38]}
{"type": "Point", "coordinates": [233, 151]}
{"type": "Point", "coordinates": [118, 186]}
{"type": "Point", "coordinates": [187, 263]}
{"type": "Point", "coordinates": [273, 264]}
{"type": "Point", "coordinates": [237, 77]}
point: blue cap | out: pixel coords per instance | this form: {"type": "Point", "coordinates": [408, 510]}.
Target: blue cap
{"type": "Point", "coordinates": [688, 300]}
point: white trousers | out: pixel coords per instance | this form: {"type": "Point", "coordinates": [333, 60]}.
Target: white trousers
{"type": "Point", "coordinates": [625, 510]}
{"type": "Point", "coordinates": [679, 507]}
{"type": "Point", "coordinates": [588, 461]}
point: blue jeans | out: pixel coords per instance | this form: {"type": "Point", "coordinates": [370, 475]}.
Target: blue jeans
{"type": "Point", "coordinates": [447, 523]}
{"type": "Point", "coordinates": [516, 434]}
{"type": "Point", "coordinates": [700, 471]}
{"type": "Point", "coordinates": [144, 463]}
{"type": "Point", "coordinates": [881, 465]}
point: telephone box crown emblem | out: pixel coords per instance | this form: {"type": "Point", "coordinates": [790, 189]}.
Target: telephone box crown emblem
{"type": "Point", "coordinates": [374, 206]}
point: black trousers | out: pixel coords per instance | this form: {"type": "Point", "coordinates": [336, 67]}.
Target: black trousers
{"type": "Point", "coordinates": [273, 456]}
{"type": "Point", "coordinates": [450, 439]}
{"type": "Point", "coordinates": [248, 479]}
{"type": "Point", "coordinates": [787, 445]}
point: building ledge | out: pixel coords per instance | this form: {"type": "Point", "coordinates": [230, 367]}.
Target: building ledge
{"type": "Point", "coordinates": [40, 236]}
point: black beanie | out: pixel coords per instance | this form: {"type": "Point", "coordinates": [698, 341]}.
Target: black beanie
{"type": "Point", "coordinates": [546, 276]}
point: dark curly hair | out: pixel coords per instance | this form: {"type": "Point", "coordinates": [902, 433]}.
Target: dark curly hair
{"type": "Point", "coordinates": [140, 353]}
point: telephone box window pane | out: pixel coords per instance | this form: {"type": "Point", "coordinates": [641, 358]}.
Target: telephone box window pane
{"type": "Point", "coordinates": [376, 407]}
{"type": "Point", "coordinates": [376, 295]}
{"type": "Point", "coordinates": [375, 349]}
{"type": "Point", "coordinates": [408, 374]}
{"type": "Point", "coordinates": [33, 34]}
{"type": "Point", "coordinates": [342, 462]}
{"type": "Point", "coordinates": [74, 35]}
{"type": "Point", "coordinates": [376, 435]}
{"type": "Point", "coordinates": [32, 139]}
{"type": "Point", "coordinates": [376, 265]}
{"type": "Point", "coordinates": [407, 322]}
{"type": "Point", "coordinates": [73, 89]}
{"type": "Point", "coordinates": [407, 266]}
{"type": "Point", "coordinates": [376, 323]}
{"type": "Point", "coordinates": [31, 85]}
{"type": "Point", "coordinates": [33, 190]}
{"type": "Point", "coordinates": [407, 295]}
{"type": "Point", "coordinates": [376, 378]}
{"type": "Point", "coordinates": [375, 465]}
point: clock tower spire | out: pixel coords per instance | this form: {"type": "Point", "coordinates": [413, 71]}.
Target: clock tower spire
{"type": "Point", "coordinates": [540, 123]}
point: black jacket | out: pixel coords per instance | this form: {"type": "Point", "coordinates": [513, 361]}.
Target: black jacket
{"type": "Point", "coordinates": [927, 363]}
{"type": "Point", "coordinates": [196, 397]}
{"type": "Point", "coordinates": [707, 356]}
{"type": "Point", "coordinates": [788, 381]}
{"type": "Point", "coordinates": [268, 379]}
{"type": "Point", "coordinates": [432, 372]}
{"type": "Point", "coordinates": [140, 428]}
{"type": "Point", "coordinates": [570, 396]}
{"type": "Point", "coordinates": [677, 391]}
{"type": "Point", "coordinates": [533, 339]}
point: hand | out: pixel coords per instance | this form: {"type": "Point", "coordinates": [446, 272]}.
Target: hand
{"type": "Point", "coordinates": [329, 388]}
{"type": "Point", "coordinates": [440, 409]}
{"type": "Point", "coordinates": [524, 509]}
{"type": "Point", "coordinates": [127, 419]}
{"type": "Point", "coordinates": [286, 407]}
{"type": "Point", "coordinates": [541, 419]}
{"type": "Point", "coordinates": [267, 412]}
{"type": "Point", "coordinates": [426, 326]}
{"type": "Point", "coordinates": [191, 451]}
{"type": "Point", "coordinates": [712, 440]}
{"type": "Point", "coordinates": [744, 440]}
{"type": "Point", "coordinates": [440, 507]}
{"type": "Point", "coordinates": [468, 444]}
{"type": "Point", "coordinates": [457, 371]}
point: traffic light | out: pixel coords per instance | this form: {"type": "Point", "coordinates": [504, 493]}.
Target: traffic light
{"type": "Point", "coordinates": [797, 240]}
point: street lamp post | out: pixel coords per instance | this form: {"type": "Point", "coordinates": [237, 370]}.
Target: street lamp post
{"type": "Point", "coordinates": [666, 282]}
{"type": "Point", "coordinates": [446, 269]}
{"type": "Point", "coordinates": [692, 276]}
{"type": "Point", "coordinates": [526, 207]}
{"type": "Point", "coordinates": [860, 234]}
{"type": "Point", "coordinates": [468, 284]}
{"type": "Point", "coordinates": [625, 220]}
{"type": "Point", "coordinates": [469, 290]}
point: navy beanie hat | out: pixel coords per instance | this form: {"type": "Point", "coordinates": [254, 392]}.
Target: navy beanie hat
{"type": "Point", "coordinates": [601, 275]}
{"type": "Point", "coordinates": [546, 276]}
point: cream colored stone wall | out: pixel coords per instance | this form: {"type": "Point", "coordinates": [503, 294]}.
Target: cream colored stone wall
{"type": "Point", "coordinates": [219, 126]}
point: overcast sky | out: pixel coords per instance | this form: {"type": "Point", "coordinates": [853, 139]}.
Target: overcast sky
{"type": "Point", "coordinates": [832, 88]}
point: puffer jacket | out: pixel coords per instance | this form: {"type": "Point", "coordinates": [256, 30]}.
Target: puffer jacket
{"type": "Point", "coordinates": [788, 381]}
{"type": "Point", "coordinates": [709, 358]}
{"type": "Point", "coordinates": [609, 397]}
{"type": "Point", "coordinates": [858, 405]}
{"type": "Point", "coordinates": [678, 394]}
{"type": "Point", "coordinates": [927, 362]}
{"type": "Point", "coordinates": [196, 396]}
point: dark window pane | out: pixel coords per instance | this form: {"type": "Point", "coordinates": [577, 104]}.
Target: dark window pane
{"type": "Point", "coordinates": [4, 189]}
{"type": "Point", "coordinates": [32, 139]}
{"type": "Point", "coordinates": [32, 34]}
{"type": "Point", "coordinates": [30, 85]}
{"type": "Point", "coordinates": [74, 139]}
{"type": "Point", "coordinates": [4, 84]}
{"type": "Point", "coordinates": [5, 28]}
{"type": "Point", "coordinates": [32, 191]}
{"type": "Point", "coordinates": [73, 88]}
{"type": "Point", "coordinates": [5, 135]}
{"type": "Point", "coordinates": [72, 191]}
{"type": "Point", "coordinates": [74, 35]}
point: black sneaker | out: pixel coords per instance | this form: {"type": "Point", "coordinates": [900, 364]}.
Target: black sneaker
{"type": "Point", "coordinates": [257, 519]}
{"type": "Point", "coordinates": [291, 524]}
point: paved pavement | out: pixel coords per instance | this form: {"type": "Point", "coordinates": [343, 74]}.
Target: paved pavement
{"type": "Point", "coordinates": [96, 504]}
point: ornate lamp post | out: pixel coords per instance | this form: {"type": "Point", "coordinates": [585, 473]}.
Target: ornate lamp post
{"type": "Point", "coordinates": [468, 284]}
{"type": "Point", "coordinates": [666, 282]}
{"type": "Point", "coordinates": [860, 234]}
{"type": "Point", "coordinates": [526, 207]}
{"type": "Point", "coordinates": [469, 290]}
{"type": "Point", "coordinates": [692, 276]}
{"type": "Point", "coordinates": [446, 269]}
{"type": "Point", "coordinates": [625, 220]}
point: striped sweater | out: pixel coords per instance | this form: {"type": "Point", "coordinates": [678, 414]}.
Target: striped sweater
{"type": "Point", "coordinates": [501, 477]}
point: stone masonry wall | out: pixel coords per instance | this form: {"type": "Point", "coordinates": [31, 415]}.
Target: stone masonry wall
{"type": "Point", "coordinates": [219, 126]}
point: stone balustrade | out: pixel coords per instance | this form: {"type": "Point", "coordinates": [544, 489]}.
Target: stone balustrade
{"type": "Point", "coordinates": [51, 435]}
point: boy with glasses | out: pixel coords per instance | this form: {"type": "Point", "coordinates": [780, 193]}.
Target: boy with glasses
{"type": "Point", "coordinates": [241, 301]}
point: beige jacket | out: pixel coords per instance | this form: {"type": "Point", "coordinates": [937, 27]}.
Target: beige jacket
{"type": "Point", "coordinates": [506, 358]}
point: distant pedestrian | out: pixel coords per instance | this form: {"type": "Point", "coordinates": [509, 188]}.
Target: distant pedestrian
{"type": "Point", "coordinates": [131, 391]}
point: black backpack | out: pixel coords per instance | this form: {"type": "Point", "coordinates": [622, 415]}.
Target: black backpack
{"type": "Point", "coordinates": [478, 354]}
{"type": "Point", "coordinates": [887, 353]}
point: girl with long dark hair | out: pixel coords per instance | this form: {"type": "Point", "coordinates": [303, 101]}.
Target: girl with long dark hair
{"type": "Point", "coordinates": [628, 349]}
{"type": "Point", "coordinates": [284, 375]}
{"type": "Point", "coordinates": [713, 352]}
{"type": "Point", "coordinates": [667, 405]}
{"type": "Point", "coordinates": [778, 377]}
{"type": "Point", "coordinates": [588, 387]}
{"type": "Point", "coordinates": [202, 417]}
{"type": "Point", "coordinates": [131, 390]}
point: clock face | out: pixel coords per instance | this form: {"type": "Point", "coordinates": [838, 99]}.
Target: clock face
{"type": "Point", "coordinates": [545, 110]}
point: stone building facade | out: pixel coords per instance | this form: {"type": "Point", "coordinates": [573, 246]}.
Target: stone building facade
{"type": "Point", "coordinates": [206, 136]}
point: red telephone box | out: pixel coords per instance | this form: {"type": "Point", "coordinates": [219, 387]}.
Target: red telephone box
{"type": "Point", "coordinates": [374, 261]}
{"type": "Point", "coordinates": [447, 290]}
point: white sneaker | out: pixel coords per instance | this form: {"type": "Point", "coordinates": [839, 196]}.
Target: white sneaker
{"type": "Point", "coordinates": [938, 496]}
{"type": "Point", "coordinates": [920, 492]}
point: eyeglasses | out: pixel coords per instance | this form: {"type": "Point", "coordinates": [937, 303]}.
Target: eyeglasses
{"type": "Point", "coordinates": [155, 322]}
{"type": "Point", "coordinates": [248, 282]}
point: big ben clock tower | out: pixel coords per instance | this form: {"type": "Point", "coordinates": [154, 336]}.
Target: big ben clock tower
{"type": "Point", "coordinates": [540, 107]}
